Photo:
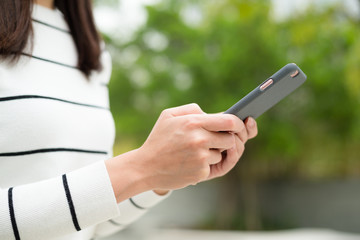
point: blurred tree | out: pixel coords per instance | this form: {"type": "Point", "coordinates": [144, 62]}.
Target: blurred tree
{"type": "Point", "coordinates": [213, 53]}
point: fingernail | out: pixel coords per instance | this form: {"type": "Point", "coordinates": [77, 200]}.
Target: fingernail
{"type": "Point", "coordinates": [250, 122]}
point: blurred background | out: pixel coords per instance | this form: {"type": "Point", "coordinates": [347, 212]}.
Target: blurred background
{"type": "Point", "coordinates": [303, 169]}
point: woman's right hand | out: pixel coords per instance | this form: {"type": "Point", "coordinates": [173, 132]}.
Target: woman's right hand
{"type": "Point", "coordinates": [183, 145]}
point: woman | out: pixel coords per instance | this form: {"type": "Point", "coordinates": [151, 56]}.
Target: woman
{"type": "Point", "coordinates": [58, 178]}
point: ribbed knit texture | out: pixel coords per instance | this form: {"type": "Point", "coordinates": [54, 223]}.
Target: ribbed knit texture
{"type": "Point", "coordinates": [56, 130]}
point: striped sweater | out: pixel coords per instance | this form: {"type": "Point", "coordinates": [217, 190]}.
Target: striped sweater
{"type": "Point", "coordinates": [56, 130]}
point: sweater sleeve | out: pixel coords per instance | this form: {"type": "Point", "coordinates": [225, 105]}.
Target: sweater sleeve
{"type": "Point", "coordinates": [57, 206]}
{"type": "Point", "coordinates": [130, 210]}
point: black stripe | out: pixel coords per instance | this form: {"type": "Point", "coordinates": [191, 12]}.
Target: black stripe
{"type": "Point", "coordinates": [12, 214]}
{"type": "Point", "coordinates": [116, 223]}
{"type": "Point", "coordinates": [47, 150]}
{"type": "Point", "coordinates": [136, 205]}
{"type": "Point", "coordinates": [70, 202]}
{"type": "Point", "coordinates": [50, 61]}
{"type": "Point", "coordinates": [51, 26]}
{"type": "Point", "coordinates": [4, 99]}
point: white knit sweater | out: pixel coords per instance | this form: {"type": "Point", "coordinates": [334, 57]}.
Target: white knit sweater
{"type": "Point", "coordinates": [56, 130]}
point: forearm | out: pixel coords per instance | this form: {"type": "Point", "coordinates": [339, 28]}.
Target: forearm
{"type": "Point", "coordinates": [57, 206]}
{"type": "Point", "coordinates": [75, 201]}
{"type": "Point", "coordinates": [130, 210]}
{"type": "Point", "coordinates": [128, 177]}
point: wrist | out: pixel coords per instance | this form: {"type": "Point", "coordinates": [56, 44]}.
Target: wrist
{"type": "Point", "coordinates": [128, 177]}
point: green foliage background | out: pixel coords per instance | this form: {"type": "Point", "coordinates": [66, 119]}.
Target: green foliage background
{"type": "Point", "coordinates": [312, 134]}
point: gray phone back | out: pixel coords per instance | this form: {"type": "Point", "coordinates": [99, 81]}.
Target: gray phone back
{"type": "Point", "coordinates": [270, 92]}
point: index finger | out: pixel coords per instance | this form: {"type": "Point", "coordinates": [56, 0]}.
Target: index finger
{"type": "Point", "coordinates": [221, 123]}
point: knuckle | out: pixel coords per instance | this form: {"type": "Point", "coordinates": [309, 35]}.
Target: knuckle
{"type": "Point", "coordinates": [192, 123]}
{"type": "Point", "coordinates": [243, 133]}
{"type": "Point", "coordinates": [231, 121]}
{"type": "Point", "coordinates": [242, 126]}
{"type": "Point", "coordinates": [165, 112]}
{"type": "Point", "coordinates": [195, 106]}
{"type": "Point", "coordinates": [241, 148]}
{"type": "Point", "coordinates": [203, 173]}
{"type": "Point", "coordinates": [231, 139]}
{"type": "Point", "coordinates": [202, 157]}
{"type": "Point", "coordinates": [198, 141]}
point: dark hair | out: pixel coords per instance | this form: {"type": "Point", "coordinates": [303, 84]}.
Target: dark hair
{"type": "Point", "coordinates": [16, 30]}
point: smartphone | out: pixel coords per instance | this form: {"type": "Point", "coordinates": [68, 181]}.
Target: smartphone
{"type": "Point", "coordinates": [269, 93]}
